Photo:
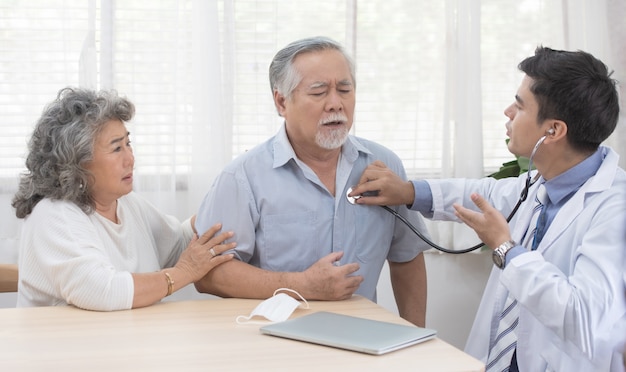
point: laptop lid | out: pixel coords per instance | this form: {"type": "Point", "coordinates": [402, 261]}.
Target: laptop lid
{"type": "Point", "coordinates": [349, 332]}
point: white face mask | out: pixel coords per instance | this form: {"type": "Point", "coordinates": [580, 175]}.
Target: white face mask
{"type": "Point", "coordinates": [275, 309]}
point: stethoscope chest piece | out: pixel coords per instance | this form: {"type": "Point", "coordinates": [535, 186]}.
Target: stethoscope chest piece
{"type": "Point", "coordinates": [352, 199]}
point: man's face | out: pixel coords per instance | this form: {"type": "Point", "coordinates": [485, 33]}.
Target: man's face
{"type": "Point", "coordinates": [523, 129]}
{"type": "Point", "coordinates": [319, 113]}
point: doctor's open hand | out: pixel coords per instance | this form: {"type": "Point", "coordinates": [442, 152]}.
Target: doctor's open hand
{"type": "Point", "coordinates": [324, 280]}
{"type": "Point", "coordinates": [490, 225]}
{"type": "Point", "coordinates": [205, 253]}
{"type": "Point", "coordinates": [390, 188]}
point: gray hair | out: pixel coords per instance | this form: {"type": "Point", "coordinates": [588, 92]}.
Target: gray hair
{"type": "Point", "coordinates": [61, 145]}
{"type": "Point", "coordinates": [284, 78]}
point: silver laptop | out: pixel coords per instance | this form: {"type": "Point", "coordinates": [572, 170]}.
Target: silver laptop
{"type": "Point", "coordinates": [349, 332]}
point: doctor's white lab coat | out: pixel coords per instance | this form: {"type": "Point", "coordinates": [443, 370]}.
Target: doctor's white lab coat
{"type": "Point", "coordinates": [571, 289]}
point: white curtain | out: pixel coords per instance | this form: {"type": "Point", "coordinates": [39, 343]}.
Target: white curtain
{"type": "Point", "coordinates": [433, 78]}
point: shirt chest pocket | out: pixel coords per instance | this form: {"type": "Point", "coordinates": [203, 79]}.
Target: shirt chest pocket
{"type": "Point", "coordinates": [373, 233]}
{"type": "Point", "coordinates": [289, 241]}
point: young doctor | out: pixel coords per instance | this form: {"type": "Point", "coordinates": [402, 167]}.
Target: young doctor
{"type": "Point", "coordinates": [556, 294]}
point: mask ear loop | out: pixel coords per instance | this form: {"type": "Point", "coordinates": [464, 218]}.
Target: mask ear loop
{"type": "Point", "coordinates": [246, 319]}
{"type": "Point", "coordinates": [242, 319]}
{"type": "Point", "coordinates": [293, 291]}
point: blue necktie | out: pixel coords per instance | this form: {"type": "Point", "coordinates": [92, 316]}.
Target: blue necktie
{"type": "Point", "coordinates": [540, 229]}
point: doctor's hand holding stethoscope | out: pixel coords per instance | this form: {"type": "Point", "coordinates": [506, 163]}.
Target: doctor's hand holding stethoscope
{"type": "Point", "coordinates": [379, 185]}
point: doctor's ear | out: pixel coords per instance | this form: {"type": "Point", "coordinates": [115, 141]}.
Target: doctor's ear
{"type": "Point", "coordinates": [556, 129]}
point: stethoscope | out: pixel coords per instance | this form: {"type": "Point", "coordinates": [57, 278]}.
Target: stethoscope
{"type": "Point", "coordinates": [522, 198]}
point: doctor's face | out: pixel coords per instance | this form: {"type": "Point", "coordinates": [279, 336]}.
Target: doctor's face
{"type": "Point", "coordinates": [319, 113]}
{"type": "Point", "coordinates": [523, 129]}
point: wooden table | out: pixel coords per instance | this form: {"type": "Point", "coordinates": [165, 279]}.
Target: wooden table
{"type": "Point", "coordinates": [196, 335]}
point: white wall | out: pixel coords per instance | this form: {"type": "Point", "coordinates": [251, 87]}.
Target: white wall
{"type": "Point", "coordinates": [455, 286]}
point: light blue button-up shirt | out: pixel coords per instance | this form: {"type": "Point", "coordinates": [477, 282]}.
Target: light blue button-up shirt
{"type": "Point", "coordinates": [285, 219]}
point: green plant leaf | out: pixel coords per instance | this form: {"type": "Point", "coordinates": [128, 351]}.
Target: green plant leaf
{"type": "Point", "coordinates": [508, 169]}
{"type": "Point", "coordinates": [512, 168]}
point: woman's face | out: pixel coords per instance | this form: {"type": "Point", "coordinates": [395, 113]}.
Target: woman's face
{"type": "Point", "coordinates": [112, 165]}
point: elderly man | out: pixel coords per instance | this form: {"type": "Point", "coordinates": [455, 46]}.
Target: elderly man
{"type": "Point", "coordinates": [286, 198]}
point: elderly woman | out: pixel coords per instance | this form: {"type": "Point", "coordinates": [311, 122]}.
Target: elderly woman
{"type": "Point", "coordinates": [87, 239]}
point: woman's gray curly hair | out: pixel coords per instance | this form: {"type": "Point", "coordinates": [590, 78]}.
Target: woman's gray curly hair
{"type": "Point", "coordinates": [62, 144]}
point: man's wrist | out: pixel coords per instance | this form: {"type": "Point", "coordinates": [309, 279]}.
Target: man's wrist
{"type": "Point", "coordinates": [410, 196]}
{"type": "Point", "coordinates": [499, 254]}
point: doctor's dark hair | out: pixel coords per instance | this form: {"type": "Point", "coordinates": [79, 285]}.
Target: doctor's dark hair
{"type": "Point", "coordinates": [577, 88]}
{"type": "Point", "coordinates": [284, 78]}
{"type": "Point", "coordinates": [62, 144]}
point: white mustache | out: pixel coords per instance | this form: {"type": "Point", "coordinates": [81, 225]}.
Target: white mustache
{"type": "Point", "coordinates": [332, 118]}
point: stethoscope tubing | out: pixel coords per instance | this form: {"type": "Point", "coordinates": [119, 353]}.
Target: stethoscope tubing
{"type": "Point", "coordinates": [522, 198]}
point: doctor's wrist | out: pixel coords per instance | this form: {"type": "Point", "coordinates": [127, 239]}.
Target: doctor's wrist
{"type": "Point", "coordinates": [499, 253]}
